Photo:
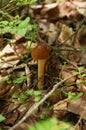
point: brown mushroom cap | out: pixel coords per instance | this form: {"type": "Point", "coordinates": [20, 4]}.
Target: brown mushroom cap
{"type": "Point", "coordinates": [40, 52]}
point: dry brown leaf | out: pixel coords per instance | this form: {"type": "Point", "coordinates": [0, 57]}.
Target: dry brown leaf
{"type": "Point", "coordinates": [7, 50]}
{"type": "Point", "coordinates": [65, 35]}
{"type": "Point", "coordinates": [55, 97]}
{"type": "Point", "coordinates": [81, 84]}
{"type": "Point", "coordinates": [12, 117]}
{"type": "Point", "coordinates": [66, 9]}
{"type": "Point", "coordinates": [60, 108]}
{"type": "Point", "coordinates": [5, 90]}
{"type": "Point", "coordinates": [9, 64]}
{"type": "Point", "coordinates": [23, 126]}
{"type": "Point", "coordinates": [65, 74]}
{"type": "Point", "coordinates": [78, 107]}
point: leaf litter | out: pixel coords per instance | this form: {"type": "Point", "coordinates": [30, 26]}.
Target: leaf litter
{"type": "Point", "coordinates": [62, 27]}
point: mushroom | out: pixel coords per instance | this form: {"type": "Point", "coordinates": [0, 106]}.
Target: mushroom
{"type": "Point", "coordinates": [40, 53]}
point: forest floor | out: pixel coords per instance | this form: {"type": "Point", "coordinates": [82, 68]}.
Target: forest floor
{"type": "Point", "coordinates": [61, 26]}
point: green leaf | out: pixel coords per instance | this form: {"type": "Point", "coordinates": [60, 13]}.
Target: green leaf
{"type": "Point", "coordinates": [44, 125]}
{"type": "Point", "coordinates": [2, 118]}
{"type": "Point", "coordinates": [20, 79]}
{"type": "Point", "coordinates": [83, 75]}
{"type": "Point", "coordinates": [30, 92]}
{"type": "Point", "coordinates": [30, 27]}
{"type": "Point", "coordinates": [32, 2]}
{"type": "Point", "coordinates": [21, 31]}
{"type": "Point", "coordinates": [37, 98]}
{"type": "Point", "coordinates": [51, 124]}
{"type": "Point", "coordinates": [24, 22]}
{"type": "Point", "coordinates": [16, 95]}
{"type": "Point", "coordinates": [77, 96]}
{"type": "Point", "coordinates": [74, 96]}
{"type": "Point", "coordinates": [75, 73]}
{"type": "Point", "coordinates": [15, 100]}
{"type": "Point", "coordinates": [6, 29]}
{"type": "Point", "coordinates": [23, 96]}
{"type": "Point", "coordinates": [22, 101]}
{"type": "Point", "coordinates": [37, 93]}
{"type": "Point", "coordinates": [40, 126]}
{"type": "Point", "coordinates": [7, 78]}
{"type": "Point", "coordinates": [43, 116]}
{"type": "Point", "coordinates": [71, 95]}
{"type": "Point", "coordinates": [80, 68]}
{"type": "Point", "coordinates": [4, 22]}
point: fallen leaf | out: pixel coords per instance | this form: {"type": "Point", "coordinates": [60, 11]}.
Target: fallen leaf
{"type": "Point", "coordinates": [65, 74]}
{"type": "Point", "coordinates": [12, 117]}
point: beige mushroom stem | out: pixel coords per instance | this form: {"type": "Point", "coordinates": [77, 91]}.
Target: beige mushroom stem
{"type": "Point", "coordinates": [41, 54]}
{"type": "Point", "coordinates": [41, 67]}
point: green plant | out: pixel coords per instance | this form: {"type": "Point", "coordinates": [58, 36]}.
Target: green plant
{"type": "Point", "coordinates": [44, 116]}
{"type": "Point", "coordinates": [8, 80]}
{"type": "Point", "coordinates": [16, 80]}
{"type": "Point", "coordinates": [64, 65]}
{"type": "Point", "coordinates": [19, 98]}
{"type": "Point", "coordinates": [82, 75]}
{"type": "Point", "coordinates": [73, 96]}
{"type": "Point", "coordinates": [51, 124]}
{"type": "Point", "coordinates": [4, 3]}
{"type": "Point", "coordinates": [79, 70]}
{"type": "Point", "coordinates": [35, 93]}
{"type": "Point", "coordinates": [2, 118]}
{"type": "Point", "coordinates": [25, 2]}
{"type": "Point", "coordinates": [20, 79]}
{"type": "Point", "coordinates": [17, 26]}
{"type": "Point", "coordinates": [22, 98]}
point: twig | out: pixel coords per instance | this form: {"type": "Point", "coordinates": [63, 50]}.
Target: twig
{"type": "Point", "coordinates": [68, 61]}
{"type": "Point", "coordinates": [36, 105]}
{"type": "Point", "coordinates": [28, 74]}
